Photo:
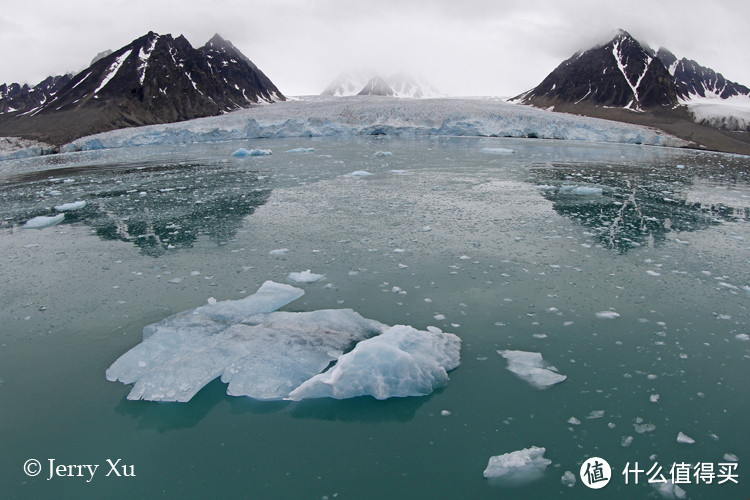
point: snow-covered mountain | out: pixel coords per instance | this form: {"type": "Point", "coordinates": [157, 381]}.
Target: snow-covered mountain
{"type": "Point", "coordinates": [154, 79]}
{"type": "Point", "coordinates": [401, 84]}
{"type": "Point", "coordinates": [21, 98]}
{"type": "Point", "coordinates": [694, 80]}
{"type": "Point", "coordinates": [620, 73]}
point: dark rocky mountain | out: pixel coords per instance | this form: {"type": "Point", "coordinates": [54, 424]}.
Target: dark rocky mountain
{"type": "Point", "coordinates": [21, 98]}
{"type": "Point", "coordinates": [154, 79]}
{"type": "Point", "coordinates": [377, 86]}
{"type": "Point", "coordinates": [693, 80]}
{"type": "Point", "coordinates": [621, 73]}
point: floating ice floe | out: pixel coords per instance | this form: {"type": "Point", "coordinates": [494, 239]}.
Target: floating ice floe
{"type": "Point", "coordinates": [669, 490]}
{"type": "Point", "coordinates": [300, 150]}
{"type": "Point", "coordinates": [381, 154]}
{"type": "Point", "coordinates": [530, 367]}
{"type": "Point", "coordinates": [498, 151]}
{"type": "Point", "coordinates": [683, 438]}
{"type": "Point", "coordinates": [242, 152]}
{"type": "Point", "coordinates": [66, 207]}
{"type": "Point", "coordinates": [359, 173]}
{"type": "Point", "coordinates": [581, 190]}
{"type": "Point", "coordinates": [42, 221]}
{"type": "Point", "coordinates": [607, 315]}
{"type": "Point", "coordinates": [568, 479]}
{"type": "Point", "coordinates": [305, 277]}
{"type": "Point", "coordinates": [266, 354]}
{"type": "Point", "coordinates": [277, 252]}
{"type": "Point", "coordinates": [400, 362]}
{"type": "Point", "coordinates": [518, 467]}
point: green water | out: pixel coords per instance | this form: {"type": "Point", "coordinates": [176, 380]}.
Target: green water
{"type": "Point", "coordinates": [488, 246]}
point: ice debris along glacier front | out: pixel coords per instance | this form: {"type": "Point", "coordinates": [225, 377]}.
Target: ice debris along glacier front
{"type": "Point", "coordinates": [518, 467]}
{"type": "Point", "coordinates": [367, 115]}
{"type": "Point", "coordinates": [267, 354]}
{"type": "Point", "coordinates": [530, 367]}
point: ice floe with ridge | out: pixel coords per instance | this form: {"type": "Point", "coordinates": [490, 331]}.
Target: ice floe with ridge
{"type": "Point", "coordinates": [518, 467]}
{"type": "Point", "coordinates": [43, 221]}
{"type": "Point", "coordinates": [530, 367]}
{"type": "Point", "coordinates": [267, 354]}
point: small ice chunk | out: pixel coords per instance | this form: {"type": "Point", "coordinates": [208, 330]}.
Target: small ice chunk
{"type": "Point", "coordinates": [574, 421]}
{"type": "Point", "coordinates": [278, 252]}
{"type": "Point", "coordinates": [305, 277]}
{"type": "Point", "coordinates": [498, 151]}
{"type": "Point", "coordinates": [626, 441]}
{"type": "Point", "coordinates": [683, 438]}
{"type": "Point", "coordinates": [581, 190]}
{"type": "Point", "coordinates": [65, 207]}
{"type": "Point", "coordinates": [359, 173]}
{"type": "Point", "coordinates": [518, 467]}
{"type": "Point", "coordinates": [445, 413]}
{"type": "Point", "coordinates": [730, 457]}
{"type": "Point", "coordinates": [669, 490]}
{"type": "Point", "coordinates": [607, 315]}
{"type": "Point", "coordinates": [544, 187]}
{"type": "Point", "coordinates": [300, 150]}
{"type": "Point", "coordinates": [641, 428]}
{"type": "Point", "coordinates": [653, 273]}
{"type": "Point", "coordinates": [381, 154]}
{"type": "Point", "coordinates": [654, 398]}
{"type": "Point", "coordinates": [400, 362]}
{"type": "Point", "coordinates": [426, 229]}
{"type": "Point", "coordinates": [568, 479]}
{"type": "Point", "coordinates": [744, 337]}
{"type": "Point", "coordinates": [242, 152]}
{"type": "Point", "coordinates": [41, 221]}
{"type": "Point", "coordinates": [595, 414]}
{"type": "Point", "coordinates": [530, 367]}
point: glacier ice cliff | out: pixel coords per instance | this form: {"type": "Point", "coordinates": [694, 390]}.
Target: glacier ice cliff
{"type": "Point", "coordinates": [368, 115]}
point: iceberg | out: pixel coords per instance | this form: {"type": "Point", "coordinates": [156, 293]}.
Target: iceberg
{"type": "Point", "coordinates": [42, 221]}
{"type": "Point", "coordinates": [518, 467]}
{"type": "Point", "coordinates": [305, 277]}
{"type": "Point", "coordinates": [370, 115]}
{"type": "Point", "coordinates": [530, 367]}
{"type": "Point", "coordinates": [268, 354]}
{"type": "Point", "coordinates": [403, 361]}
{"type": "Point", "coordinates": [242, 152]}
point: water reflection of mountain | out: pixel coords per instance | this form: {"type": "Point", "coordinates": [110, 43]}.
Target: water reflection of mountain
{"type": "Point", "coordinates": [158, 209]}
{"type": "Point", "coordinates": [626, 207]}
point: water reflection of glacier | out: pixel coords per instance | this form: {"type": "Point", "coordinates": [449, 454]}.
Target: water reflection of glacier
{"type": "Point", "coordinates": [627, 207]}
{"type": "Point", "coordinates": [157, 208]}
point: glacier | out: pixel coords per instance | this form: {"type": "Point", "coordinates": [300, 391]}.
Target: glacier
{"type": "Point", "coordinates": [374, 115]}
{"type": "Point", "coordinates": [270, 355]}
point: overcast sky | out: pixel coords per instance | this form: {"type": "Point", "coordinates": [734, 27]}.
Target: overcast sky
{"type": "Point", "coordinates": [463, 47]}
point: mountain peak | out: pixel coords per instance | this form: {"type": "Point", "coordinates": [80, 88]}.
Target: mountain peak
{"type": "Point", "coordinates": [218, 42]}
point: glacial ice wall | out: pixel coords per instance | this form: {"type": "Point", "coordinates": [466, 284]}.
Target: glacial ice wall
{"type": "Point", "coordinates": [372, 115]}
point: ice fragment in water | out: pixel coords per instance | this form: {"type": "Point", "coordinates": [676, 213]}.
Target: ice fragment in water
{"type": "Point", "coordinates": [305, 277]}
{"type": "Point", "coordinates": [518, 467]}
{"type": "Point", "coordinates": [595, 414]}
{"type": "Point", "coordinates": [669, 490]}
{"type": "Point", "coordinates": [581, 190]}
{"type": "Point", "coordinates": [242, 152]}
{"type": "Point", "coordinates": [380, 154]}
{"type": "Point", "coordinates": [607, 315]}
{"type": "Point", "coordinates": [402, 361]}
{"type": "Point", "coordinates": [730, 457]}
{"type": "Point", "coordinates": [359, 173]}
{"type": "Point", "coordinates": [530, 367]}
{"type": "Point", "coordinates": [42, 221]}
{"type": "Point", "coordinates": [498, 151]}
{"type": "Point", "coordinates": [266, 354]}
{"type": "Point", "coordinates": [278, 252]}
{"type": "Point", "coordinates": [65, 207]}
{"type": "Point", "coordinates": [684, 439]}
{"type": "Point", "coordinates": [568, 479]}
{"type": "Point", "coordinates": [300, 150]}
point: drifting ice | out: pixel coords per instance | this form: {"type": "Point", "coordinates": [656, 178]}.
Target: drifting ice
{"type": "Point", "coordinates": [530, 367]}
{"type": "Point", "coordinates": [42, 221]}
{"type": "Point", "coordinates": [305, 277]}
{"type": "Point", "coordinates": [266, 354]}
{"type": "Point", "coordinates": [518, 467]}
{"type": "Point", "coordinates": [242, 152]}
{"type": "Point", "coordinates": [65, 207]}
